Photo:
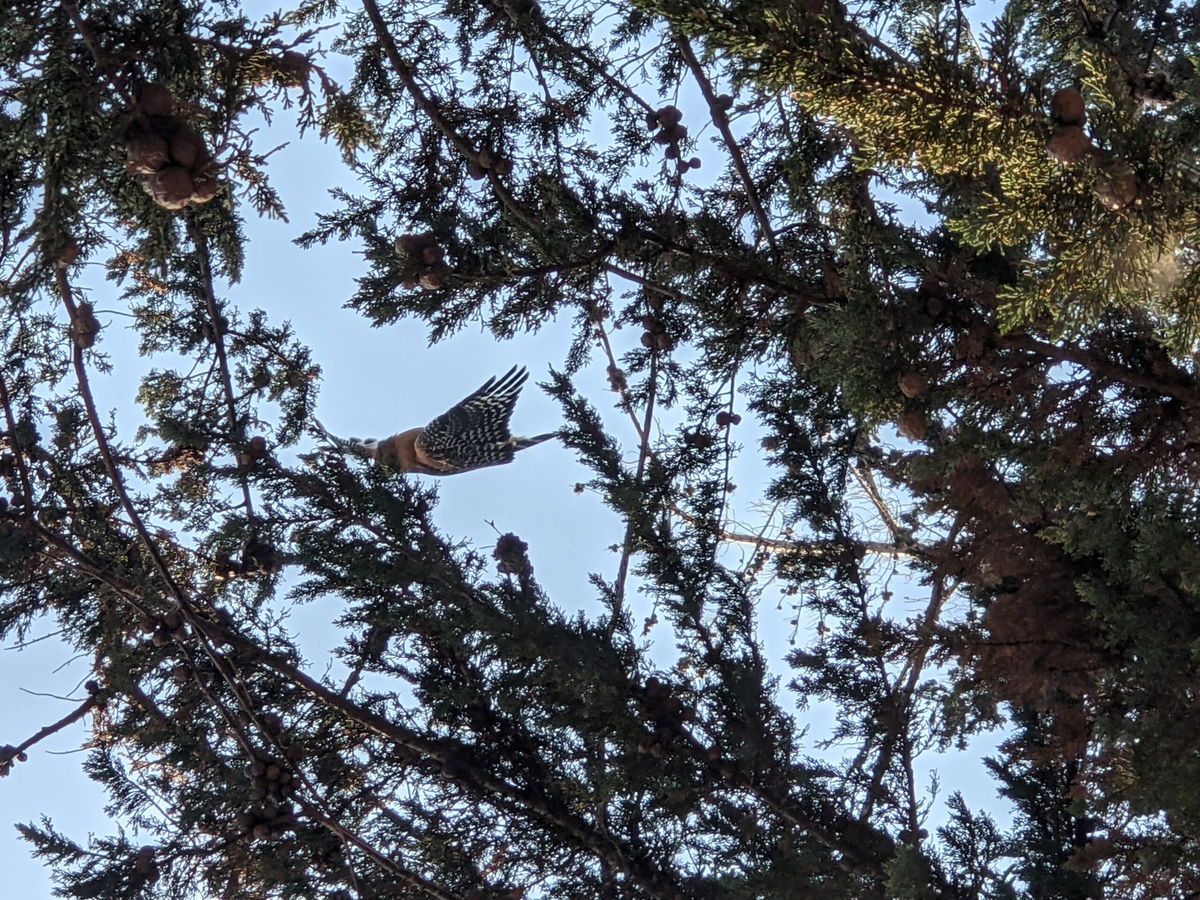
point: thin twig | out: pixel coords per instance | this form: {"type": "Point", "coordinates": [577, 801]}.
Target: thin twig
{"type": "Point", "coordinates": [11, 421]}
{"type": "Point", "coordinates": [464, 147]}
{"type": "Point", "coordinates": [814, 549]}
{"type": "Point", "coordinates": [902, 699]}
{"type": "Point", "coordinates": [866, 479]}
{"type": "Point", "coordinates": [7, 754]}
{"type": "Point", "coordinates": [606, 345]}
{"type": "Point", "coordinates": [646, 283]}
{"type": "Point", "coordinates": [644, 453]}
{"type": "Point", "coordinates": [1184, 390]}
{"type": "Point", "coordinates": [409, 877]}
{"type": "Point", "coordinates": [106, 454]}
{"type": "Point", "coordinates": [237, 431]}
{"type": "Point", "coordinates": [721, 120]}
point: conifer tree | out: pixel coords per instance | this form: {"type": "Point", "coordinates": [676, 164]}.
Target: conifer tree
{"type": "Point", "coordinates": [721, 182]}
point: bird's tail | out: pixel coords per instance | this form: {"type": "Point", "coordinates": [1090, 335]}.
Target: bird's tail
{"type": "Point", "coordinates": [520, 443]}
{"type": "Point", "coordinates": [350, 447]}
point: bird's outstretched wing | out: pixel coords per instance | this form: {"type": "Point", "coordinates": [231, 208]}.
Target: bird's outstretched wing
{"type": "Point", "coordinates": [474, 432]}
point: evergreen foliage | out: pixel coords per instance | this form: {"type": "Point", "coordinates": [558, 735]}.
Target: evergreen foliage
{"type": "Point", "coordinates": [725, 179]}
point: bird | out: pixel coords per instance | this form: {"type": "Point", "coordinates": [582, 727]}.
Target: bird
{"type": "Point", "coordinates": [472, 434]}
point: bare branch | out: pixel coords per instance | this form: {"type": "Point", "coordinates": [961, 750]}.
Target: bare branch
{"type": "Point", "coordinates": [10, 753]}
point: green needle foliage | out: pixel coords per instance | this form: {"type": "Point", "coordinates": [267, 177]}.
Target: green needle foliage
{"type": "Point", "coordinates": [725, 184]}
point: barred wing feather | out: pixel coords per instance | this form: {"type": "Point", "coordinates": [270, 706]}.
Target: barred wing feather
{"type": "Point", "coordinates": [474, 432]}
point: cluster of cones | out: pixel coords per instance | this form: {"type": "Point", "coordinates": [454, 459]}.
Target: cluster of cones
{"type": "Point", "coordinates": [1115, 184]}
{"type": "Point", "coordinates": [258, 558]}
{"type": "Point", "coordinates": [163, 629]}
{"type": "Point", "coordinates": [423, 259]}
{"type": "Point", "coordinates": [167, 154]}
{"type": "Point", "coordinates": [272, 782]}
{"type": "Point", "coordinates": [84, 325]}
{"type": "Point", "coordinates": [666, 711]}
{"type": "Point", "coordinates": [655, 335]}
{"type": "Point", "coordinates": [670, 131]}
{"type": "Point", "coordinates": [485, 161]}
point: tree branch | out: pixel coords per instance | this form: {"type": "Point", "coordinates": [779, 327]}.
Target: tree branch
{"type": "Point", "coordinates": [721, 120]}
{"type": "Point", "coordinates": [236, 429]}
{"type": "Point", "coordinates": [10, 753]}
{"type": "Point", "coordinates": [542, 801]}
